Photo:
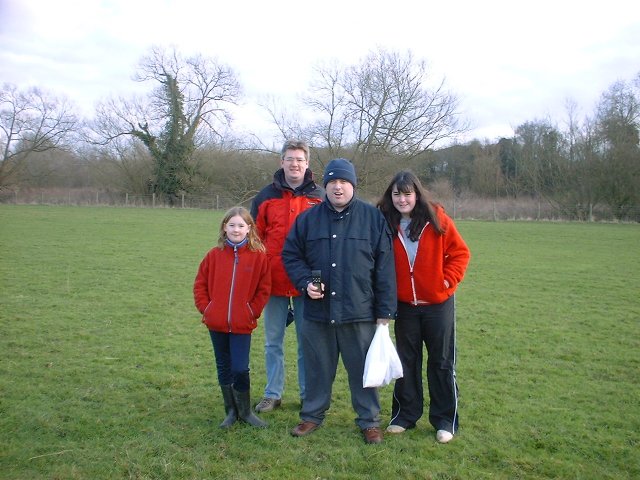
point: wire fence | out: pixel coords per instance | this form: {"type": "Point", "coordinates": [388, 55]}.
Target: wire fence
{"type": "Point", "coordinates": [461, 208]}
{"type": "Point", "coordinates": [87, 197]}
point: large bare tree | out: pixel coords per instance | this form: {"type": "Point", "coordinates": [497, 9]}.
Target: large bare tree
{"type": "Point", "coordinates": [188, 106]}
{"type": "Point", "coordinates": [31, 121]}
{"type": "Point", "coordinates": [384, 108]}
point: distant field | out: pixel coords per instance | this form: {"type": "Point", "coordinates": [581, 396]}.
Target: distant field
{"type": "Point", "coordinates": [106, 371]}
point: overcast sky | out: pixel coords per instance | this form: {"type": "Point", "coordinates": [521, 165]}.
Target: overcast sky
{"type": "Point", "coordinates": [508, 61]}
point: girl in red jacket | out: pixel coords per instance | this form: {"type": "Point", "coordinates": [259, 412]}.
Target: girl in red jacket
{"type": "Point", "coordinates": [431, 258]}
{"type": "Point", "coordinates": [230, 290]}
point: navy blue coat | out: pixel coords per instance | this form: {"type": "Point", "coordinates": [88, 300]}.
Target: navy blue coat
{"type": "Point", "coordinates": [354, 251]}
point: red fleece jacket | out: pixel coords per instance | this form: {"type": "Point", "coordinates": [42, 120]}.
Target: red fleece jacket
{"type": "Point", "coordinates": [438, 258]}
{"type": "Point", "coordinates": [231, 294]}
{"type": "Point", "coordinates": [275, 209]}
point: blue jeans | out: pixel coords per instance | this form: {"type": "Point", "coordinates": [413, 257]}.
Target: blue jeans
{"type": "Point", "coordinates": [275, 324]}
{"type": "Point", "coordinates": [232, 358]}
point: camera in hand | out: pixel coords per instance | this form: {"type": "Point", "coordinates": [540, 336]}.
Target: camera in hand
{"type": "Point", "coordinates": [316, 279]}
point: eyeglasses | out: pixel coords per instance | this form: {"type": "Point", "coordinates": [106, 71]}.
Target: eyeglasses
{"type": "Point", "coordinates": [295, 159]}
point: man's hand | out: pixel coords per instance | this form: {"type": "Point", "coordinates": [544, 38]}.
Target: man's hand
{"type": "Point", "coordinates": [382, 321]}
{"type": "Point", "coordinates": [314, 292]}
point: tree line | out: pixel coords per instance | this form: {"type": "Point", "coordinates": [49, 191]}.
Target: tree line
{"type": "Point", "coordinates": [384, 113]}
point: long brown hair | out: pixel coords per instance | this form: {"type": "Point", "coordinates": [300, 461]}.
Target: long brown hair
{"type": "Point", "coordinates": [424, 211]}
{"type": "Point", "coordinates": [253, 240]}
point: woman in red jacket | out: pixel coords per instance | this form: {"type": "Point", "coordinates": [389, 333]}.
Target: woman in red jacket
{"type": "Point", "coordinates": [431, 258]}
{"type": "Point", "coordinates": [230, 291]}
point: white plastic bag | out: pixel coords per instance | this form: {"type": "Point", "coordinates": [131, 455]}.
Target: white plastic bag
{"type": "Point", "coordinates": [382, 364]}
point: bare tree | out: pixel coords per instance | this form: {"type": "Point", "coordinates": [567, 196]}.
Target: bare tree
{"type": "Point", "coordinates": [380, 111]}
{"type": "Point", "coordinates": [31, 121]}
{"type": "Point", "coordinates": [328, 100]}
{"type": "Point", "coordinates": [186, 109]}
{"type": "Point", "coordinates": [382, 108]}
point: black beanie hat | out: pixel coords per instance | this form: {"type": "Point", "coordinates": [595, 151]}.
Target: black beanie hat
{"type": "Point", "coordinates": [340, 168]}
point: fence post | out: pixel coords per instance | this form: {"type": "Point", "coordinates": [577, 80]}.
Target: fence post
{"type": "Point", "coordinates": [126, 199]}
{"type": "Point", "coordinates": [183, 200]}
{"type": "Point", "coordinates": [153, 201]}
{"type": "Point", "coordinates": [97, 197]}
{"type": "Point", "coordinates": [591, 212]}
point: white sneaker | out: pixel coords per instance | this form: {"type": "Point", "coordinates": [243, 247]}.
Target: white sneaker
{"type": "Point", "coordinates": [443, 436]}
{"type": "Point", "coordinates": [395, 429]}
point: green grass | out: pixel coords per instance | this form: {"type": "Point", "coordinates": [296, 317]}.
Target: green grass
{"type": "Point", "coordinates": [106, 371]}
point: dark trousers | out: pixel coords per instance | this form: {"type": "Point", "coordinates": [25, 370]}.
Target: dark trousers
{"type": "Point", "coordinates": [232, 358]}
{"type": "Point", "coordinates": [435, 327]}
{"type": "Point", "coordinates": [323, 343]}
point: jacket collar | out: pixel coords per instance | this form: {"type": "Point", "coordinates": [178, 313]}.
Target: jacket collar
{"type": "Point", "coordinates": [346, 208]}
{"type": "Point", "coordinates": [308, 184]}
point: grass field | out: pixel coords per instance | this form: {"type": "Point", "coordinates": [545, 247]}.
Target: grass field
{"type": "Point", "coordinates": [107, 373]}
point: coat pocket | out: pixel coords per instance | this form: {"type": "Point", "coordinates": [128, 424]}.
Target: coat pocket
{"type": "Point", "coordinates": [252, 320]}
{"type": "Point", "coordinates": [208, 317]}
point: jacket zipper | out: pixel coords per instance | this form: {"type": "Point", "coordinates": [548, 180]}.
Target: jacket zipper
{"type": "Point", "coordinates": [413, 283]}
{"type": "Point", "coordinates": [233, 282]}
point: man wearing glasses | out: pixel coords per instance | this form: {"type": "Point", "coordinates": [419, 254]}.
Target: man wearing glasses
{"type": "Point", "coordinates": [275, 209]}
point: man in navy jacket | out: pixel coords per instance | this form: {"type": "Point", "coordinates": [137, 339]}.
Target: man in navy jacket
{"type": "Point", "coordinates": [350, 242]}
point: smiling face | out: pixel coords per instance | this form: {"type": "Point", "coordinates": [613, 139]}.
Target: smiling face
{"type": "Point", "coordinates": [404, 202]}
{"type": "Point", "coordinates": [236, 229]}
{"type": "Point", "coordinates": [295, 164]}
{"type": "Point", "coordinates": [339, 193]}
